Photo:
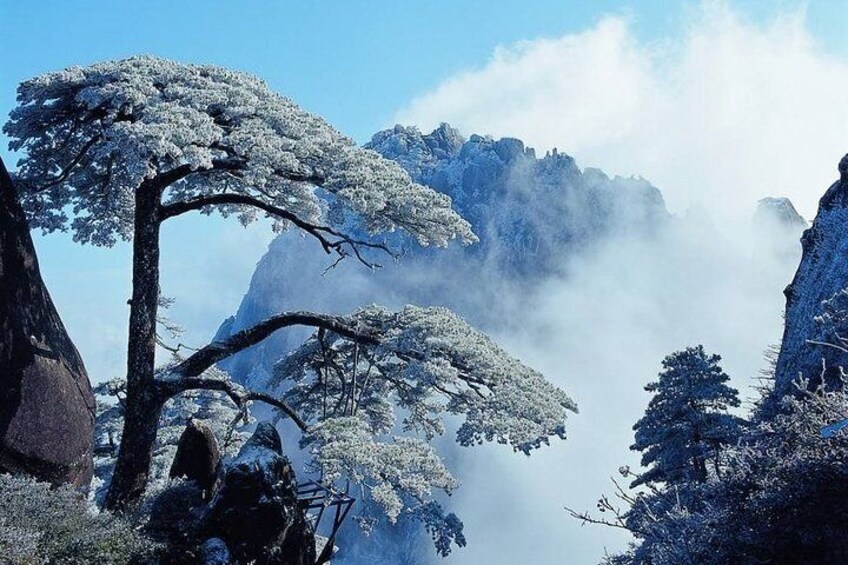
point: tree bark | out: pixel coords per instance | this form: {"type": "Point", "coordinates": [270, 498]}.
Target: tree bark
{"type": "Point", "coordinates": [144, 401]}
{"type": "Point", "coordinates": [698, 461]}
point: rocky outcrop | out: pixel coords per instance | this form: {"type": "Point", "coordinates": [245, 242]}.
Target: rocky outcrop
{"type": "Point", "coordinates": [532, 214]}
{"type": "Point", "coordinates": [822, 273]}
{"type": "Point", "coordinates": [46, 403]}
{"type": "Point", "coordinates": [255, 510]}
{"type": "Point", "coordinates": [197, 456]}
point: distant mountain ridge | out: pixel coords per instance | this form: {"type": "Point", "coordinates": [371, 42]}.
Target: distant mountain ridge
{"type": "Point", "coordinates": [531, 214]}
{"type": "Point", "coordinates": [537, 205]}
{"type": "Point", "coordinates": [779, 211]}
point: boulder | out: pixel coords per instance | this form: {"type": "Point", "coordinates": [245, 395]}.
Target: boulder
{"type": "Point", "coordinates": [255, 509]}
{"type": "Point", "coordinates": [46, 402]}
{"type": "Point", "coordinates": [197, 456]}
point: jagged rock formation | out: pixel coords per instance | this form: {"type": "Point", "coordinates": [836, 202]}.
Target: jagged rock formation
{"type": "Point", "coordinates": [822, 273]}
{"type": "Point", "coordinates": [531, 214]}
{"type": "Point", "coordinates": [255, 510]}
{"type": "Point", "coordinates": [197, 456]}
{"type": "Point", "coordinates": [524, 209]}
{"type": "Point", "coordinates": [46, 403]}
{"type": "Point", "coordinates": [777, 233]}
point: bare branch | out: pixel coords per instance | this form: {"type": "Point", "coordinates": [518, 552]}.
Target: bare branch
{"type": "Point", "coordinates": [216, 351]}
{"type": "Point", "coordinates": [586, 518]}
{"type": "Point", "coordinates": [331, 240]}
{"type": "Point", "coordinates": [238, 395]}
{"type": "Point", "coordinates": [827, 344]}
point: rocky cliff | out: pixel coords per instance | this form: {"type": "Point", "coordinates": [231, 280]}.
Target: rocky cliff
{"type": "Point", "coordinates": [46, 403]}
{"type": "Point", "coordinates": [822, 273]}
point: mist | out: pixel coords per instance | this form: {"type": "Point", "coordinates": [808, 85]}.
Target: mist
{"type": "Point", "coordinates": [600, 333]}
{"type": "Point", "coordinates": [597, 322]}
{"type": "Point", "coordinates": [718, 113]}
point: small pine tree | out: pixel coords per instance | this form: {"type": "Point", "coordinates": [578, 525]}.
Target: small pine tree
{"type": "Point", "coordinates": [686, 424]}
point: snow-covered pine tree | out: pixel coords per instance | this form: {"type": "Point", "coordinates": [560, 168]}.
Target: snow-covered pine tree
{"type": "Point", "coordinates": [115, 150]}
{"type": "Point", "coordinates": [686, 424]}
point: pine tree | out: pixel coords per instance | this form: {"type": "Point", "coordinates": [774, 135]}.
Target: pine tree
{"type": "Point", "coordinates": [686, 424]}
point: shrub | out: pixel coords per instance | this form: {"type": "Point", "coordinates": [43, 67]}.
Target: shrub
{"type": "Point", "coordinates": [43, 524]}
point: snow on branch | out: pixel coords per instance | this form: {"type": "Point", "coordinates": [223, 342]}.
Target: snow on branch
{"type": "Point", "coordinates": [428, 362]}
{"type": "Point", "coordinates": [207, 138]}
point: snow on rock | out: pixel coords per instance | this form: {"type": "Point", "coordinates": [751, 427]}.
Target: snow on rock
{"type": "Point", "coordinates": [531, 214]}
{"type": "Point", "coordinates": [823, 273]}
{"type": "Point", "coordinates": [779, 212]}
{"type": "Point", "coordinates": [255, 509]}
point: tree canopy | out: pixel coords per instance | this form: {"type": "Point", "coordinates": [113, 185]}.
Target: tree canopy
{"type": "Point", "coordinates": [217, 139]}
{"type": "Point", "coordinates": [686, 422]}
{"type": "Point", "coordinates": [115, 149]}
{"type": "Point", "coordinates": [373, 405]}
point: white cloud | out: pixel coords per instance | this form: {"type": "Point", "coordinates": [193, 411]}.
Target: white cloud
{"type": "Point", "coordinates": [726, 113]}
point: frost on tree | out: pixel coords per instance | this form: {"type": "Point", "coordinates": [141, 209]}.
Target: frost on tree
{"type": "Point", "coordinates": [115, 149]}
{"type": "Point", "coordinates": [214, 140]}
{"type": "Point", "coordinates": [373, 405]}
{"type": "Point", "coordinates": [686, 424]}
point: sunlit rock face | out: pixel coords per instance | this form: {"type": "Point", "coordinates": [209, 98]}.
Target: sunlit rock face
{"type": "Point", "coordinates": [46, 403]}
{"type": "Point", "coordinates": [531, 214]}
{"type": "Point", "coordinates": [822, 273]}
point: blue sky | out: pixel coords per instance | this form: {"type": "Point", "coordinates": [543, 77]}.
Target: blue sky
{"type": "Point", "coordinates": [717, 103]}
{"type": "Point", "coordinates": [357, 63]}
{"type": "Point", "coordinates": [353, 62]}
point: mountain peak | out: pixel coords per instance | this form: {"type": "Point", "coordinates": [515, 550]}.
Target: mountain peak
{"type": "Point", "coordinates": [778, 212]}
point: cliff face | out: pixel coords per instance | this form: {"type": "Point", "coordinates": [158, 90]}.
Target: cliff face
{"type": "Point", "coordinates": [46, 403]}
{"type": "Point", "coordinates": [530, 213]}
{"type": "Point", "coordinates": [822, 273]}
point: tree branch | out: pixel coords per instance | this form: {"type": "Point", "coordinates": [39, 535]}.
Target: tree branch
{"type": "Point", "coordinates": [216, 351]}
{"type": "Point", "coordinates": [239, 396]}
{"type": "Point", "coordinates": [586, 518]}
{"type": "Point", "coordinates": [323, 234]}
{"type": "Point", "coordinates": [66, 172]}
